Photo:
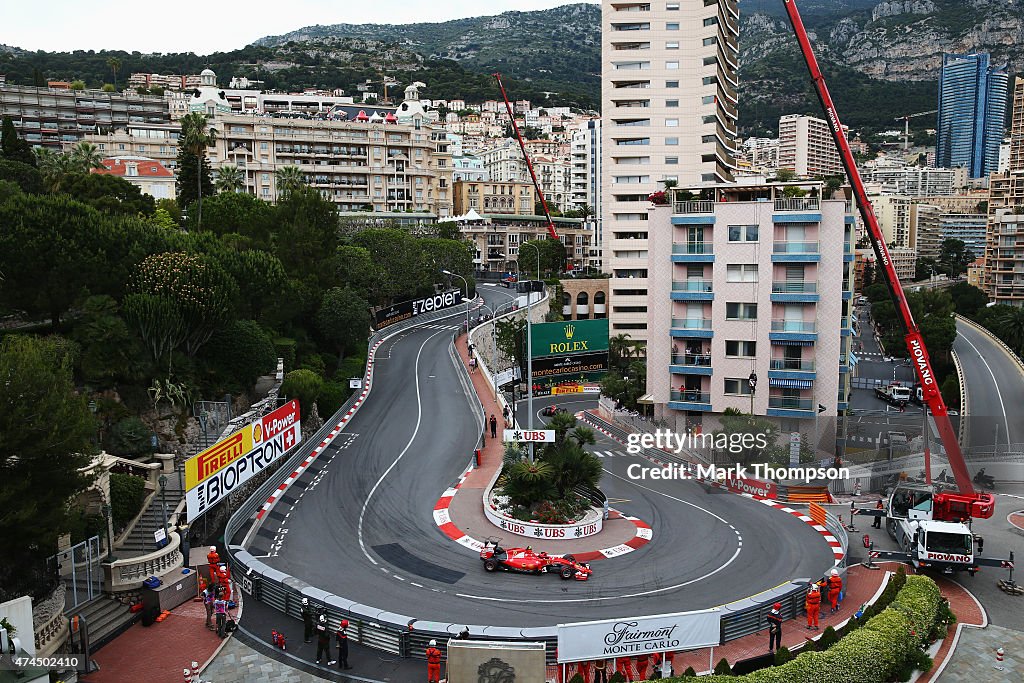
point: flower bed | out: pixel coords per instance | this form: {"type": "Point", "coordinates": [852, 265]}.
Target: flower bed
{"type": "Point", "coordinates": [878, 651]}
{"type": "Point", "coordinates": [589, 523]}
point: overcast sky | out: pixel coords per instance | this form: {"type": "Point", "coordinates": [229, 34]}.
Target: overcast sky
{"type": "Point", "coordinates": [204, 27]}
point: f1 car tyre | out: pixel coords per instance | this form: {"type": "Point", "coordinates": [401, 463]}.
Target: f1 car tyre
{"type": "Point", "coordinates": [491, 565]}
{"type": "Point", "coordinates": [566, 572]}
{"type": "Point", "coordinates": [570, 558]}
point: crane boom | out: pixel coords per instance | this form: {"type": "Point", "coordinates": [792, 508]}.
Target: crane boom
{"type": "Point", "coordinates": [915, 343]}
{"type": "Point", "coordinates": [529, 165]}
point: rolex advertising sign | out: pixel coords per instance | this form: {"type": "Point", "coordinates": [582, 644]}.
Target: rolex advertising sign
{"type": "Point", "coordinates": [572, 350]}
{"type": "Point", "coordinates": [569, 337]}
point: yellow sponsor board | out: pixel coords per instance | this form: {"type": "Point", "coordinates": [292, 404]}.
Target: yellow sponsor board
{"type": "Point", "coordinates": [567, 389]}
{"type": "Point", "coordinates": [201, 467]}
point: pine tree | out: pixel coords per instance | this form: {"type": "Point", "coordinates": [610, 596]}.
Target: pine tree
{"type": "Point", "coordinates": [14, 148]}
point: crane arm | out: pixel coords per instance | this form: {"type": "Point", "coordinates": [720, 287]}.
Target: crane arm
{"type": "Point", "coordinates": [522, 145]}
{"type": "Point", "coordinates": [915, 343]}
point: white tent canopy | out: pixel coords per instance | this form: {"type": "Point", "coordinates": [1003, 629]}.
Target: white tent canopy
{"type": "Point", "coordinates": [472, 215]}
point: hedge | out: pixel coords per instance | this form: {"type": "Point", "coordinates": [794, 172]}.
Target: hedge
{"type": "Point", "coordinates": [874, 653]}
{"type": "Point", "coordinates": [127, 493]}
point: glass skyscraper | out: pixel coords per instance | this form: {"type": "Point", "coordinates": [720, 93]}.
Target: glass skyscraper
{"type": "Point", "coordinates": [972, 110]}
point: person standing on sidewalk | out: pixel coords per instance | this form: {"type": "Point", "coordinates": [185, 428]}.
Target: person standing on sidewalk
{"type": "Point", "coordinates": [323, 640]}
{"type": "Point", "coordinates": [775, 628]}
{"type": "Point", "coordinates": [835, 587]}
{"type": "Point", "coordinates": [601, 671]}
{"type": "Point", "coordinates": [307, 621]}
{"type": "Point", "coordinates": [208, 597]}
{"type": "Point", "coordinates": [494, 427]}
{"type": "Point", "coordinates": [341, 636]}
{"type": "Point", "coordinates": [220, 608]}
{"type": "Point", "coordinates": [433, 663]}
{"type": "Point", "coordinates": [812, 603]}
{"type": "Point", "coordinates": [877, 523]}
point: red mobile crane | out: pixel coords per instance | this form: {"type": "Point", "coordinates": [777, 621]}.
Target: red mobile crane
{"type": "Point", "coordinates": [966, 503]}
{"type": "Point", "coordinates": [529, 165]}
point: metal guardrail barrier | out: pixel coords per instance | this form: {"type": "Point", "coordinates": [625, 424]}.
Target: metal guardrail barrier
{"type": "Point", "coordinates": [406, 636]}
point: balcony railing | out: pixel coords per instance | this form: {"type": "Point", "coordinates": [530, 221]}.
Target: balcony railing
{"type": "Point", "coordinates": [798, 204]}
{"type": "Point", "coordinates": [692, 248]}
{"type": "Point", "coordinates": [789, 403]}
{"type": "Point", "coordinates": [692, 286]}
{"type": "Point", "coordinates": [694, 396]}
{"type": "Point", "coordinates": [792, 364]}
{"type": "Point", "coordinates": [692, 359]}
{"type": "Point", "coordinates": [691, 323]}
{"type": "Point", "coordinates": [796, 248]}
{"type": "Point", "coordinates": [794, 287]}
{"type": "Point", "coordinates": [700, 206]}
{"type": "Point", "coordinates": [794, 326]}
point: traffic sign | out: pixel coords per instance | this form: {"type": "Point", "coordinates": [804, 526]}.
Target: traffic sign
{"type": "Point", "coordinates": [505, 376]}
{"type": "Point", "coordinates": [529, 436]}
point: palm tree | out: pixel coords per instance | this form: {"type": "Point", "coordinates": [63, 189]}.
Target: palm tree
{"type": "Point", "coordinates": [620, 349]}
{"type": "Point", "coordinates": [229, 178]}
{"type": "Point", "coordinates": [289, 179]}
{"type": "Point", "coordinates": [86, 156]}
{"type": "Point", "coordinates": [1010, 328]}
{"type": "Point", "coordinates": [583, 435]}
{"type": "Point", "coordinates": [115, 65]}
{"type": "Point", "coordinates": [561, 423]}
{"type": "Point", "coordinates": [195, 138]}
{"type": "Point", "coordinates": [54, 166]}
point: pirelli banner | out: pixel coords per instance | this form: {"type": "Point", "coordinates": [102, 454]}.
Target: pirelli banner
{"type": "Point", "coordinates": [575, 350]}
{"type": "Point", "coordinates": [410, 309]}
{"type": "Point", "coordinates": [219, 470]}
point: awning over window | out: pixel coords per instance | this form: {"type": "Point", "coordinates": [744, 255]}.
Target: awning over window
{"type": "Point", "coordinates": [853, 359]}
{"type": "Point", "coordinates": [790, 383]}
{"type": "Point", "coordinates": [792, 342]}
{"type": "Point", "coordinates": [646, 399]}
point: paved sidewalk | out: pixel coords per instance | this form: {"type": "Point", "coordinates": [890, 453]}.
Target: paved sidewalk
{"type": "Point", "coordinates": [157, 653]}
{"type": "Point", "coordinates": [466, 508]}
{"type": "Point", "coordinates": [975, 657]}
{"type": "Point", "coordinates": [970, 617]}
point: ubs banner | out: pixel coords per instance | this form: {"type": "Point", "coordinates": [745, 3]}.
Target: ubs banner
{"type": "Point", "coordinates": [410, 309]}
{"type": "Point", "coordinates": [639, 635]}
{"type": "Point", "coordinates": [572, 350]}
{"type": "Point", "coordinates": [219, 470]}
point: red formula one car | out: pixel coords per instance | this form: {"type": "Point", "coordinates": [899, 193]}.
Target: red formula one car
{"type": "Point", "coordinates": [526, 561]}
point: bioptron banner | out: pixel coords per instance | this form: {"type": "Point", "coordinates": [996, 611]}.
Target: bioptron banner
{"type": "Point", "coordinates": [213, 474]}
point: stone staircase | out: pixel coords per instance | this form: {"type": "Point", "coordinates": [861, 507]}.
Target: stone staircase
{"type": "Point", "coordinates": [106, 618]}
{"type": "Point", "coordinates": [140, 541]}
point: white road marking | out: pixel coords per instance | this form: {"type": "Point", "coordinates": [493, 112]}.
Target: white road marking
{"type": "Point", "coordinates": [739, 547]}
{"type": "Point", "coordinates": [999, 394]}
{"type": "Point", "coordinates": [419, 419]}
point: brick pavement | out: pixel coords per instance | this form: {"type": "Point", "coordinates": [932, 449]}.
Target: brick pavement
{"type": "Point", "coordinates": [157, 653]}
{"type": "Point", "coordinates": [974, 657]}
{"type": "Point", "coordinates": [239, 663]}
{"type": "Point", "coordinates": [1017, 520]}
{"type": "Point", "coordinates": [970, 617]}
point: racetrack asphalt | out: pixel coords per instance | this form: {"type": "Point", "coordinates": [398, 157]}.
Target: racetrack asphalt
{"type": "Point", "coordinates": [359, 523]}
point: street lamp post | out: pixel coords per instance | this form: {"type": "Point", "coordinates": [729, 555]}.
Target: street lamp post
{"type": "Point", "coordinates": [537, 249]}
{"type": "Point", "coordinates": [752, 380]}
{"type": "Point", "coordinates": [108, 519]}
{"type": "Point", "coordinates": [163, 498]}
{"type": "Point", "coordinates": [451, 274]}
{"type": "Point", "coordinates": [529, 369]}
